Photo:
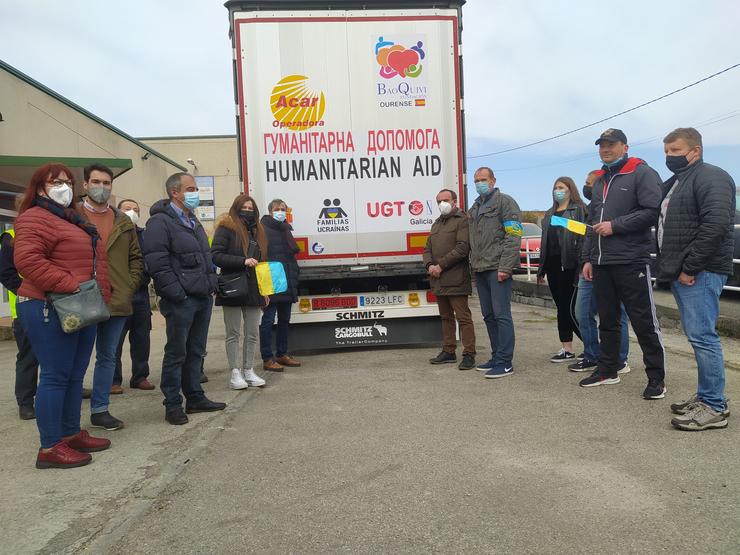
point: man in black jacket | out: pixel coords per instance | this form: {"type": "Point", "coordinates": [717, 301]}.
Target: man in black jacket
{"type": "Point", "coordinates": [178, 258]}
{"type": "Point", "coordinates": [26, 365]}
{"type": "Point", "coordinates": [138, 326]}
{"type": "Point", "coordinates": [695, 242]}
{"type": "Point", "coordinates": [626, 200]}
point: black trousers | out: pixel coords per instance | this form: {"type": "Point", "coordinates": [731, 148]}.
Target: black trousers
{"type": "Point", "coordinates": [563, 290]}
{"type": "Point", "coordinates": [138, 327]}
{"type": "Point", "coordinates": [629, 284]}
{"type": "Point", "coordinates": [26, 367]}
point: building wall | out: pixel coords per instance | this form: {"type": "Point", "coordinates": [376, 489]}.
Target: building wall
{"type": "Point", "coordinates": [214, 156]}
{"type": "Point", "coordinates": [38, 124]}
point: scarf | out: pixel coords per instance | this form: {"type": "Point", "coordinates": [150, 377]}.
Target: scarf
{"type": "Point", "coordinates": [69, 214]}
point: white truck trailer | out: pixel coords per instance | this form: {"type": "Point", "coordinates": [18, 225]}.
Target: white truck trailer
{"type": "Point", "coordinates": [352, 113]}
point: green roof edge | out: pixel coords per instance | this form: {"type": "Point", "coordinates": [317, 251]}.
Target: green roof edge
{"type": "Point", "coordinates": [43, 88]}
{"type": "Point", "coordinates": [72, 162]}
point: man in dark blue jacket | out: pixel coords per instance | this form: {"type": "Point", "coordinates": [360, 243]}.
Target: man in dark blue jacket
{"type": "Point", "coordinates": [625, 205]}
{"type": "Point", "coordinates": [695, 245]}
{"type": "Point", "coordinates": [178, 259]}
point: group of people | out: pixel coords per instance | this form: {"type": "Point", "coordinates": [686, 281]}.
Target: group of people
{"type": "Point", "coordinates": [58, 247]}
{"type": "Point", "coordinates": [596, 260]}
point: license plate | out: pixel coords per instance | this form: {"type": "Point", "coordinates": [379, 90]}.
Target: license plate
{"type": "Point", "coordinates": [381, 300]}
{"type": "Point", "coordinates": [328, 303]}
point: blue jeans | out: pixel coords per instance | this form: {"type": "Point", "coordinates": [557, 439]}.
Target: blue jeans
{"type": "Point", "coordinates": [63, 360]}
{"type": "Point", "coordinates": [106, 345]}
{"type": "Point", "coordinates": [698, 305]}
{"type": "Point", "coordinates": [586, 316]}
{"type": "Point", "coordinates": [187, 335]}
{"type": "Point", "coordinates": [495, 304]}
{"type": "Point", "coordinates": [282, 309]}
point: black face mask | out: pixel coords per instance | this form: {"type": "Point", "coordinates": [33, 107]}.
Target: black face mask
{"type": "Point", "coordinates": [676, 163]}
{"type": "Point", "coordinates": [587, 192]}
{"type": "Point", "coordinates": [248, 217]}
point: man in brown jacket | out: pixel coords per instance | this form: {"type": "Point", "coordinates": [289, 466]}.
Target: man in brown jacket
{"type": "Point", "coordinates": [446, 261]}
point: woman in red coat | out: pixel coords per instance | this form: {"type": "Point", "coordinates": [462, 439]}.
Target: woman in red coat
{"type": "Point", "coordinates": [54, 254]}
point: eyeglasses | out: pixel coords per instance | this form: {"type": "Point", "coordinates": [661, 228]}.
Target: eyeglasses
{"type": "Point", "coordinates": [58, 182]}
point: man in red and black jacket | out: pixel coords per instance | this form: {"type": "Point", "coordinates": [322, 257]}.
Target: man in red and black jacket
{"type": "Point", "coordinates": [616, 253]}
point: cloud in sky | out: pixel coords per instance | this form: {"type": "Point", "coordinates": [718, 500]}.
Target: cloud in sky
{"type": "Point", "coordinates": [533, 69]}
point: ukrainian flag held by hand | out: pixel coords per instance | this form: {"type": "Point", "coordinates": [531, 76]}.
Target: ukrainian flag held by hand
{"type": "Point", "coordinates": [571, 225]}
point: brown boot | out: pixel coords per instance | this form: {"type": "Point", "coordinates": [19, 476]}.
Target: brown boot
{"type": "Point", "coordinates": [116, 389]}
{"type": "Point", "coordinates": [144, 384]}
{"type": "Point", "coordinates": [272, 366]}
{"type": "Point", "coordinates": [287, 360]}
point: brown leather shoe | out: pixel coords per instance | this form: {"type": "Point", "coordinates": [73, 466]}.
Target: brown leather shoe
{"type": "Point", "coordinates": [85, 443]}
{"type": "Point", "coordinates": [144, 384]}
{"type": "Point", "coordinates": [116, 389]}
{"type": "Point", "coordinates": [287, 360]}
{"type": "Point", "coordinates": [272, 366]}
{"type": "Point", "coordinates": [62, 456]}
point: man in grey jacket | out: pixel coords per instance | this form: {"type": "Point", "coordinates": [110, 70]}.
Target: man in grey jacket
{"type": "Point", "coordinates": [695, 242]}
{"type": "Point", "coordinates": [495, 241]}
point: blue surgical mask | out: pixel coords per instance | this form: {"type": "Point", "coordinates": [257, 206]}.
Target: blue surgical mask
{"type": "Point", "coordinates": [482, 187]}
{"type": "Point", "coordinates": [559, 195]}
{"type": "Point", "coordinates": [610, 164]}
{"type": "Point", "coordinates": [192, 199]}
{"type": "Point", "coordinates": [279, 215]}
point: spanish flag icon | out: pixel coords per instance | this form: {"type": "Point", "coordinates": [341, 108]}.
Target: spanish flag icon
{"type": "Point", "coordinates": [420, 102]}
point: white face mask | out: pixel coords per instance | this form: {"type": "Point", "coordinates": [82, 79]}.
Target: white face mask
{"type": "Point", "coordinates": [445, 207]}
{"type": "Point", "coordinates": [133, 215]}
{"type": "Point", "coordinates": [279, 215]}
{"type": "Point", "coordinates": [61, 194]}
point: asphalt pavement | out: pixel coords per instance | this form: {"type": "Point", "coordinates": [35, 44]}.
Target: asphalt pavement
{"type": "Point", "coordinates": [378, 451]}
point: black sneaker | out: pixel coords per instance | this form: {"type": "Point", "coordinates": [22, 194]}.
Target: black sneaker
{"type": "Point", "coordinates": [584, 365]}
{"type": "Point", "coordinates": [176, 416]}
{"type": "Point", "coordinates": [655, 390]}
{"type": "Point", "coordinates": [86, 393]}
{"type": "Point", "coordinates": [444, 358]}
{"type": "Point", "coordinates": [467, 363]}
{"type": "Point", "coordinates": [106, 421]}
{"type": "Point", "coordinates": [203, 377]}
{"type": "Point", "coordinates": [204, 405]}
{"type": "Point", "coordinates": [597, 379]}
{"type": "Point", "coordinates": [581, 356]}
{"type": "Point", "coordinates": [563, 356]}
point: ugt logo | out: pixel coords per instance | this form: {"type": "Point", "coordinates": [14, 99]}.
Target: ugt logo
{"type": "Point", "coordinates": [395, 59]}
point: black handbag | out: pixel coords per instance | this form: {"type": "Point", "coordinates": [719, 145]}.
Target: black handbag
{"type": "Point", "coordinates": [233, 285]}
{"type": "Point", "coordinates": [83, 308]}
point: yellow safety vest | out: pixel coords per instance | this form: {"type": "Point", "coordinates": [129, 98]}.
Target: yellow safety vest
{"type": "Point", "coordinates": [11, 296]}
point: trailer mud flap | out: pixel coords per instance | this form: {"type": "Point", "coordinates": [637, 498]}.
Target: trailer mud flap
{"type": "Point", "coordinates": [364, 333]}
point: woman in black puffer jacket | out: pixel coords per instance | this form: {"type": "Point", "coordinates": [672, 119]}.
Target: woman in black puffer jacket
{"type": "Point", "coordinates": [239, 243]}
{"type": "Point", "coordinates": [281, 248]}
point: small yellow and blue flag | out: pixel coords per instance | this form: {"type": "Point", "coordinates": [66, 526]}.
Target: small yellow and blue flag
{"type": "Point", "coordinates": [271, 278]}
{"type": "Point", "coordinates": [571, 225]}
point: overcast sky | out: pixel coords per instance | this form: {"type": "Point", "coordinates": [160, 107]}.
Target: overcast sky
{"type": "Point", "coordinates": [533, 69]}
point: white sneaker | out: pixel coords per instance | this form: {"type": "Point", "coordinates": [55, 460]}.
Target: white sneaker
{"type": "Point", "coordinates": [253, 379]}
{"type": "Point", "coordinates": [625, 369]}
{"type": "Point", "coordinates": [237, 381]}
